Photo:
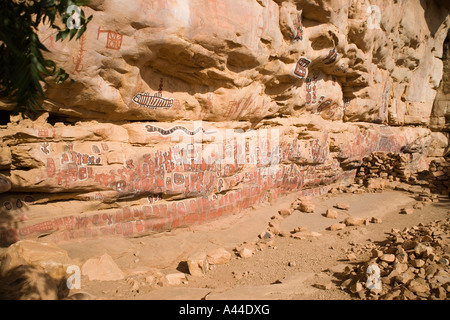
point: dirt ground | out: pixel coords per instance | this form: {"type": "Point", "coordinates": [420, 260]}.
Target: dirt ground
{"type": "Point", "coordinates": [285, 268]}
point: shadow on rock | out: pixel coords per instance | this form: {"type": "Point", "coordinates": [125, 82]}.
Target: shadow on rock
{"type": "Point", "coordinates": [31, 283]}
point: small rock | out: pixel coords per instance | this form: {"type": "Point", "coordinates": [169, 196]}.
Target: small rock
{"type": "Point", "coordinates": [300, 229]}
{"type": "Point", "coordinates": [409, 295]}
{"type": "Point", "coordinates": [400, 267]}
{"type": "Point", "coordinates": [337, 226]}
{"type": "Point", "coordinates": [409, 244]}
{"type": "Point", "coordinates": [295, 204]}
{"type": "Point", "coordinates": [218, 256]}
{"type": "Point", "coordinates": [306, 207]}
{"type": "Point", "coordinates": [273, 231]}
{"type": "Point", "coordinates": [339, 269]}
{"type": "Point", "coordinates": [418, 263]}
{"type": "Point", "coordinates": [275, 223]}
{"type": "Point", "coordinates": [423, 250]}
{"type": "Point", "coordinates": [292, 264]}
{"type": "Point", "coordinates": [346, 284]}
{"type": "Point", "coordinates": [440, 293]}
{"type": "Point", "coordinates": [245, 253]}
{"type": "Point", "coordinates": [265, 235]}
{"type": "Point", "coordinates": [175, 279]}
{"type": "Point", "coordinates": [405, 277]}
{"type": "Point", "coordinates": [285, 212]}
{"type": "Point", "coordinates": [332, 214]}
{"type": "Point", "coordinates": [323, 286]}
{"type": "Point", "coordinates": [353, 221]}
{"type": "Point", "coordinates": [102, 269]}
{"type": "Point", "coordinates": [351, 256]}
{"type": "Point", "coordinates": [418, 206]}
{"type": "Point", "coordinates": [284, 234]}
{"type": "Point", "coordinates": [261, 244]}
{"type": "Point", "coordinates": [407, 211]}
{"type": "Point", "coordinates": [431, 270]}
{"type": "Point", "coordinates": [418, 286]}
{"type": "Point", "coordinates": [342, 206]}
{"type": "Point", "coordinates": [298, 235]}
{"type": "Point", "coordinates": [198, 263]}
{"type": "Point", "coordinates": [357, 287]}
{"type": "Point", "coordinates": [376, 253]}
{"type": "Point", "coordinates": [393, 294]}
{"type": "Point", "coordinates": [376, 220]}
{"type": "Point", "coordinates": [388, 258]}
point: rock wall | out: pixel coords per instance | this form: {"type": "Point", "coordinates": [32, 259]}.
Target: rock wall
{"type": "Point", "coordinates": [181, 111]}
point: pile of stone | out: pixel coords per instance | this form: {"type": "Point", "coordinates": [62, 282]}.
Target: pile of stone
{"type": "Point", "coordinates": [390, 166]}
{"type": "Point", "coordinates": [354, 188]}
{"type": "Point", "coordinates": [439, 176]}
{"type": "Point", "coordinates": [410, 264]}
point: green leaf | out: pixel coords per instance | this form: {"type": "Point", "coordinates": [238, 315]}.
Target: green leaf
{"type": "Point", "coordinates": [42, 47]}
{"type": "Point", "coordinates": [80, 32]}
{"type": "Point", "coordinates": [24, 67]}
{"type": "Point", "coordinates": [73, 32]}
{"type": "Point", "coordinates": [42, 69]}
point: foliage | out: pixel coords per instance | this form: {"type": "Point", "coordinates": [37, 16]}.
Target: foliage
{"type": "Point", "coordinates": [23, 67]}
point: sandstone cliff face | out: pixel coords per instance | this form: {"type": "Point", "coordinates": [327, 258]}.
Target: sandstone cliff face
{"type": "Point", "coordinates": [149, 135]}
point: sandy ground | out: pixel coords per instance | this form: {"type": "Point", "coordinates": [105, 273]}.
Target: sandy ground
{"type": "Point", "coordinates": [287, 269]}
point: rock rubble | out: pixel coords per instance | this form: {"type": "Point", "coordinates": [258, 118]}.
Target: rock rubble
{"type": "Point", "coordinates": [413, 264]}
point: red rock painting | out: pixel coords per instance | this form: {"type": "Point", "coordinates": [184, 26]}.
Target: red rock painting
{"type": "Point", "coordinates": [113, 39]}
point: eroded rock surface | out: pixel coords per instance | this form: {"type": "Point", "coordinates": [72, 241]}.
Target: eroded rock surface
{"type": "Point", "coordinates": [150, 135]}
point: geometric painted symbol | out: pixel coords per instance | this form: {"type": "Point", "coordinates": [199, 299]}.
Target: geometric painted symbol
{"type": "Point", "coordinates": [151, 128]}
{"type": "Point", "coordinates": [95, 149]}
{"type": "Point", "coordinates": [113, 40]}
{"type": "Point", "coordinates": [7, 205]}
{"type": "Point", "coordinates": [178, 178]}
{"type": "Point", "coordinates": [314, 97]}
{"type": "Point", "coordinates": [332, 56]}
{"type": "Point", "coordinates": [299, 28]}
{"type": "Point", "coordinates": [301, 68]}
{"type": "Point", "coordinates": [308, 90]}
{"type": "Point", "coordinates": [51, 169]}
{"type": "Point", "coordinates": [44, 147]}
{"type": "Point", "coordinates": [152, 102]}
{"type": "Point", "coordinates": [121, 185]}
